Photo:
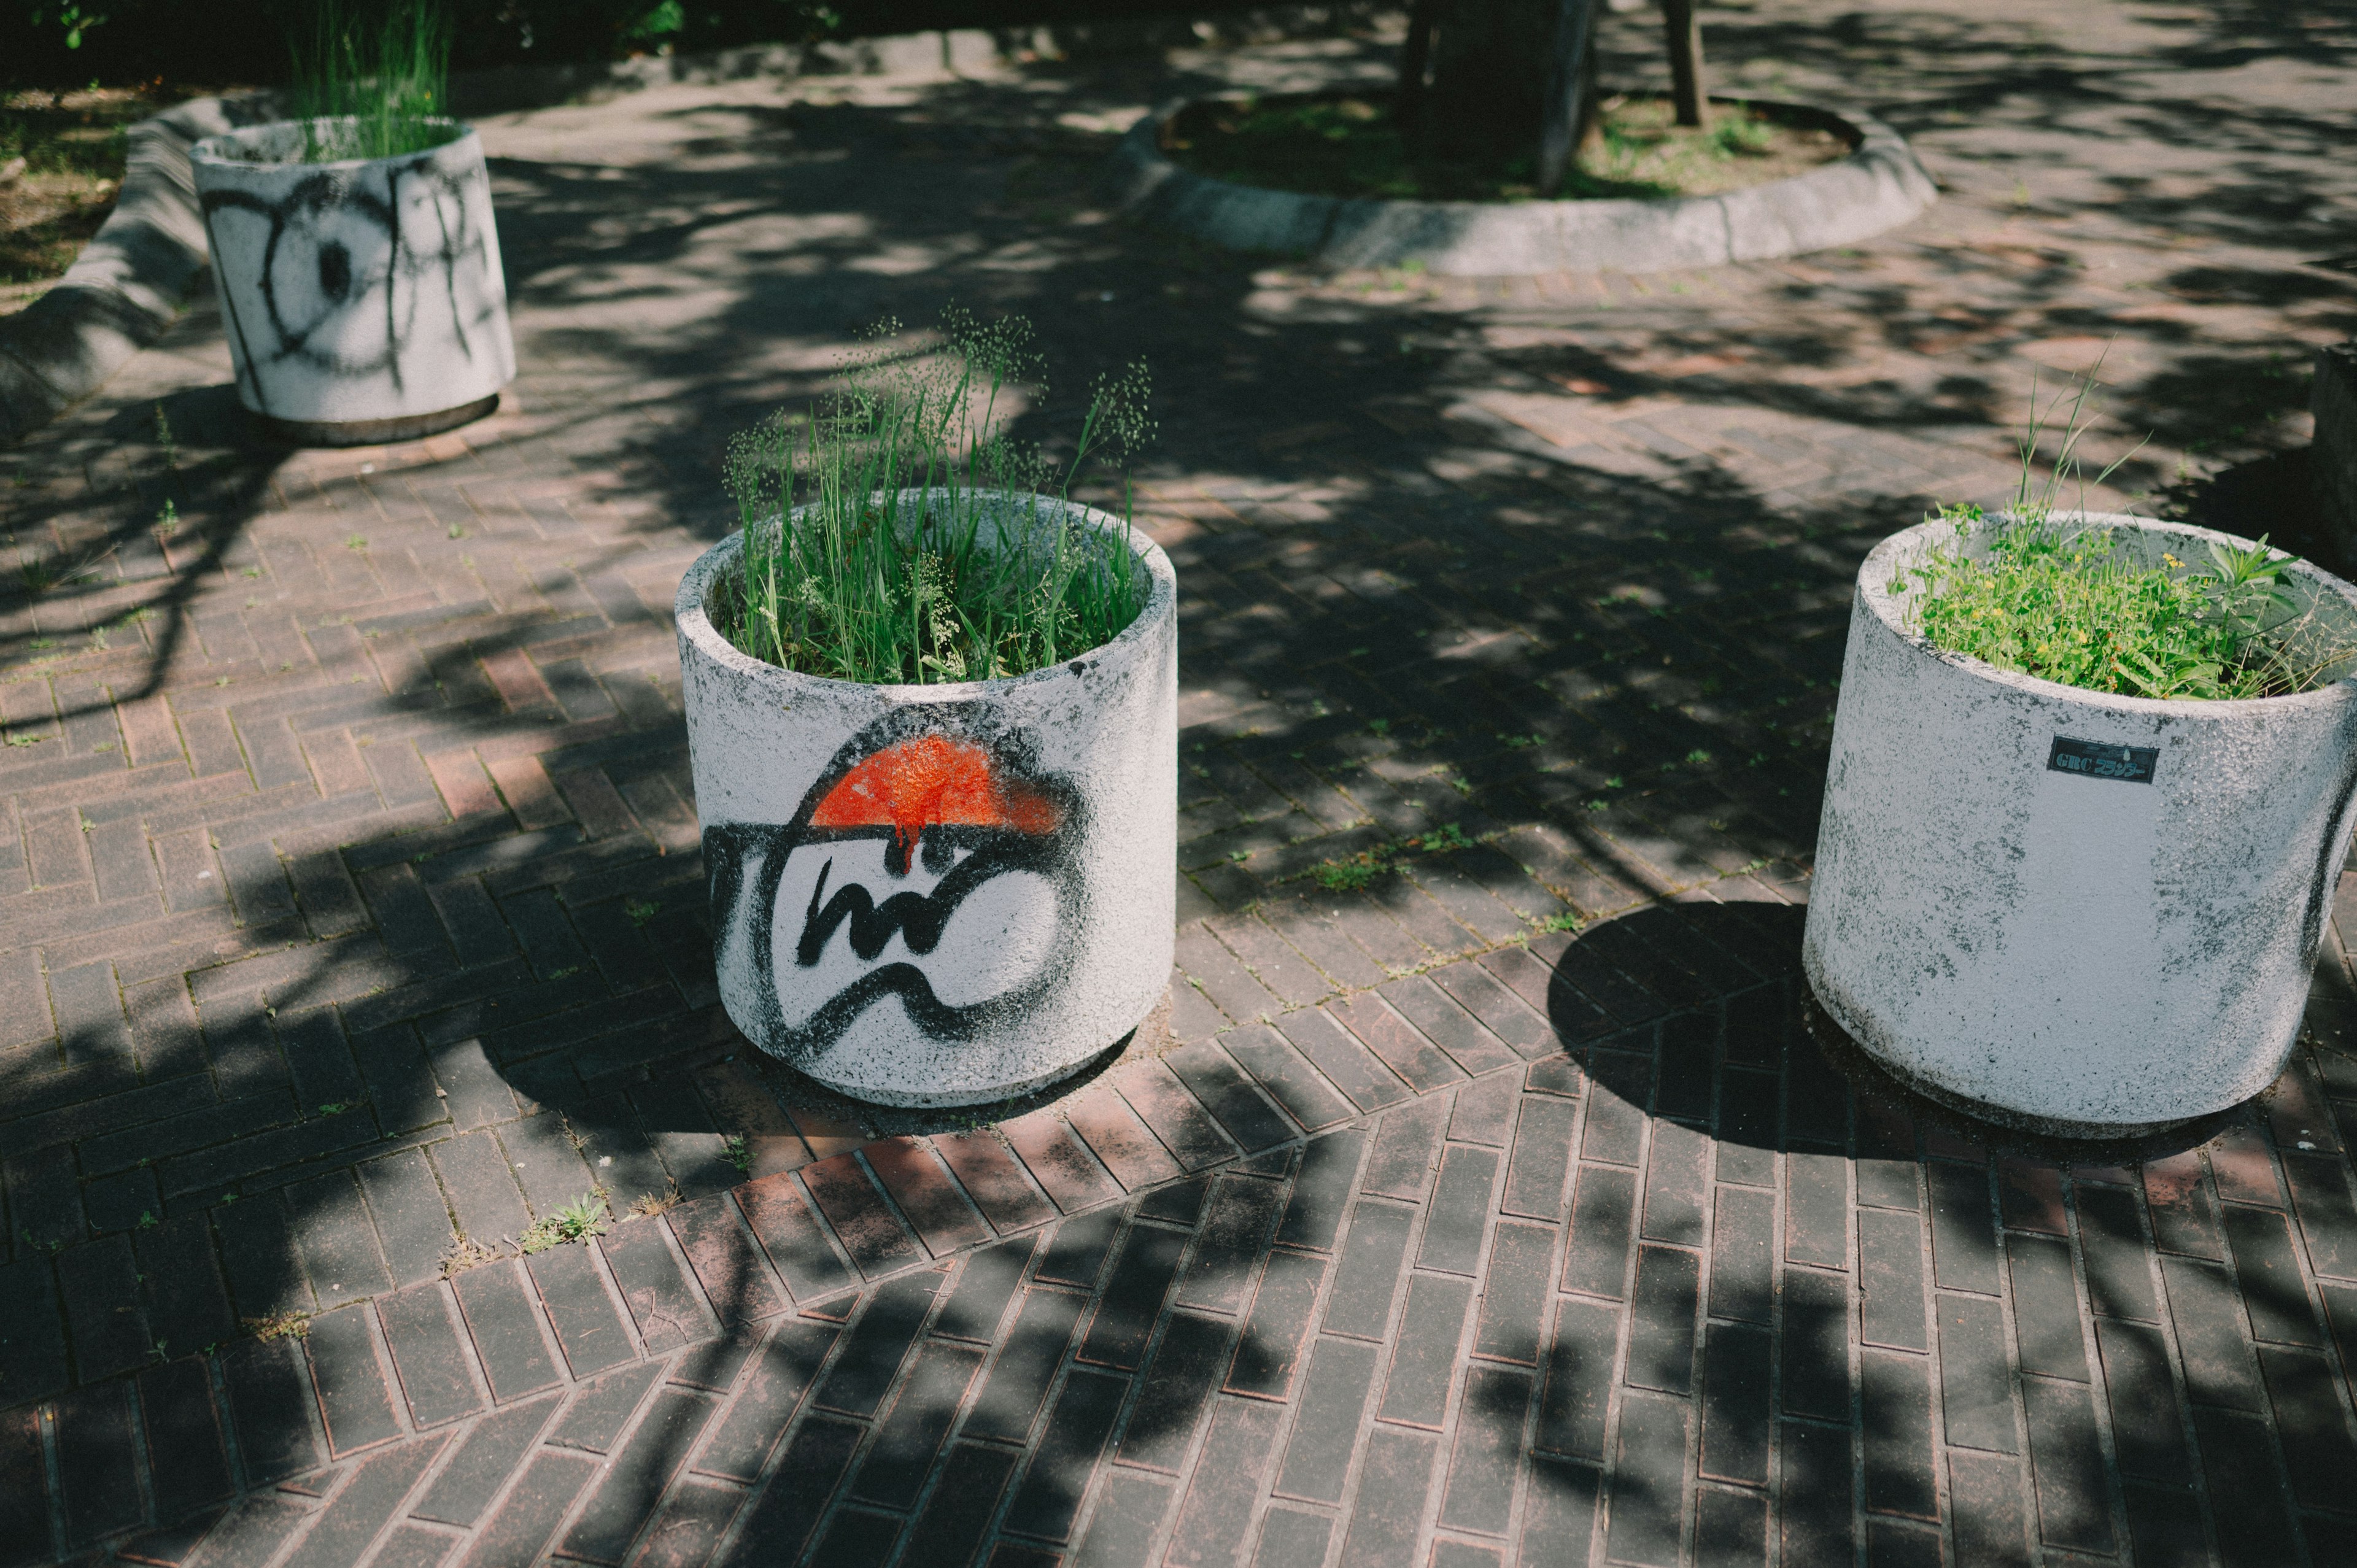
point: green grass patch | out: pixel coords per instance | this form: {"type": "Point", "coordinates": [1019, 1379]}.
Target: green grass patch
{"type": "Point", "coordinates": [371, 85]}
{"type": "Point", "coordinates": [894, 534]}
{"type": "Point", "coordinates": [578, 1220]}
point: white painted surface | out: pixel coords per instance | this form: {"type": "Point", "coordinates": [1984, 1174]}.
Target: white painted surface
{"type": "Point", "coordinates": [2077, 954]}
{"type": "Point", "coordinates": [362, 290]}
{"type": "Point", "coordinates": [1048, 962]}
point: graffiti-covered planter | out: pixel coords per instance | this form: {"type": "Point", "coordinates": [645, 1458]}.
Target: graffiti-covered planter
{"type": "Point", "coordinates": [363, 300]}
{"type": "Point", "coordinates": [939, 895]}
{"type": "Point", "coordinates": [2077, 913]}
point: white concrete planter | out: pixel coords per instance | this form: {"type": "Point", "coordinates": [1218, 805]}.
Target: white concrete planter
{"type": "Point", "coordinates": [939, 895]}
{"type": "Point", "coordinates": [363, 300]}
{"type": "Point", "coordinates": [2077, 913]}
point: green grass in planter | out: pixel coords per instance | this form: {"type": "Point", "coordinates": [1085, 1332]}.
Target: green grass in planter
{"type": "Point", "coordinates": [387, 69]}
{"type": "Point", "coordinates": [2066, 607]}
{"type": "Point", "coordinates": [871, 584]}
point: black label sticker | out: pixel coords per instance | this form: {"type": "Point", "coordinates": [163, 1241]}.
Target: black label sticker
{"type": "Point", "coordinates": [2128, 764]}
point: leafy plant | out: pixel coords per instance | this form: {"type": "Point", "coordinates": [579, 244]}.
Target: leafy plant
{"type": "Point", "coordinates": [371, 86]}
{"type": "Point", "coordinates": [895, 535]}
{"type": "Point", "coordinates": [578, 1220]}
{"type": "Point", "coordinates": [1348, 874]}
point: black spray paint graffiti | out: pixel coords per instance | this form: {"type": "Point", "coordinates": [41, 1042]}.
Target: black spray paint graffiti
{"type": "Point", "coordinates": [921, 790]}
{"type": "Point", "coordinates": [342, 279]}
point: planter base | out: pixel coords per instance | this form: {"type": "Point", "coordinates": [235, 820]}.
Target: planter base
{"type": "Point", "coordinates": [373, 432]}
{"type": "Point", "coordinates": [2052, 1137]}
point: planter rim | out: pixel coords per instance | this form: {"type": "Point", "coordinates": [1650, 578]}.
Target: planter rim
{"type": "Point", "coordinates": [206, 151]}
{"type": "Point", "coordinates": [695, 620]}
{"type": "Point", "coordinates": [1872, 586]}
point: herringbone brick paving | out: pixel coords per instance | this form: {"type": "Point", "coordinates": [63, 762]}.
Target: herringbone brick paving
{"type": "Point", "coordinates": [351, 915]}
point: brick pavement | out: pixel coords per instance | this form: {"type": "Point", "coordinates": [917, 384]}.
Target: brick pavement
{"type": "Point", "coordinates": [352, 917]}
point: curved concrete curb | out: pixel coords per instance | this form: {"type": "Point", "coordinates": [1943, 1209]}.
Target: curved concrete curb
{"type": "Point", "coordinates": [1879, 186]}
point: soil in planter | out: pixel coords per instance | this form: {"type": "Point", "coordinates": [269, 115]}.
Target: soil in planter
{"type": "Point", "coordinates": [1350, 146]}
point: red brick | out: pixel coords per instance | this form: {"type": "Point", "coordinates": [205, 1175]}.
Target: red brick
{"type": "Point", "coordinates": [2031, 1193]}
{"type": "Point", "coordinates": [779, 1216]}
{"type": "Point", "coordinates": [1059, 1160]}
{"type": "Point", "coordinates": [921, 1185]}
{"type": "Point", "coordinates": [519, 683]}
{"type": "Point", "coordinates": [1106, 1124]}
{"type": "Point", "coordinates": [1176, 1116]}
{"type": "Point", "coordinates": [461, 779]}
{"type": "Point", "coordinates": [826, 1137]}
{"type": "Point", "coordinates": [994, 1179]}
{"type": "Point", "coordinates": [743, 1106]}
{"type": "Point", "coordinates": [730, 1267]}
{"type": "Point", "coordinates": [868, 1227]}
{"type": "Point", "coordinates": [524, 784]}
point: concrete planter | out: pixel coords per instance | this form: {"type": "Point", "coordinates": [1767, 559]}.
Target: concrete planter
{"type": "Point", "coordinates": [1879, 186]}
{"type": "Point", "coordinates": [2077, 913]}
{"type": "Point", "coordinates": [363, 300]}
{"type": "Point", "coordinates": [939, 895]}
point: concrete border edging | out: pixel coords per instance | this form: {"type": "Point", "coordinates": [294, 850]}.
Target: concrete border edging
{"type": "Point", "coordinates": [1879, 186]}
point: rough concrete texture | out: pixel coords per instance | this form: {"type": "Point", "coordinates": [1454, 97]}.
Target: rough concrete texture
{"type": "Point", "coordinates": [2001, 916]}
{"type": "Point", "coordinates": [359, 290]}
{"type": "Point", "coordinates": [939, 895]}
{"type": "Point", "coordinates": [2333, 402]}
{"type": "Point", "coordinates": [1879, 186]}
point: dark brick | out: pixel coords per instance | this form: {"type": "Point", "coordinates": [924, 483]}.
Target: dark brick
{"type": "Point", "coordinates": [1481, 1471]}
{"type": "Point", "coordinates": [1616, 1106]}
{"type": "Point", "coordinates": [100, 1282]}
{"type": "Point", "coordinates": [481, 1188]}
{"type": "Point", "coordinates": [187, 1466]}
{"type": "Point", "coordinates": [601, 1410]}
{"type": "Point", "coordinates": [2119, 1262]}
{"type": "Point", "coordinates": [2073, 1502]}
{"type": "Point", "coordinates": [1214, 1520]}
{"type": "Point", "coordinates": [730, 1267]}
{"type": "Point", "coordinates": [1649, 1481]}
{"type": "Point", "coordinates": [252, 1531]}
{"type": "Point", "coordinates": [1816, 1210]}
{"type": "Point", "coordinates": [338, 1244]}
{"type": "Point", "coordinates": [757, 1418]}
{"type": "Point", "coordinates": [1559, 1517]}
{"type": "Point", "coordinates": [2165, 1528]}
{"type": "Point", "coordinates": [2046, 1309]}
{"type": "Point", "coordinates": [779, 1217]}
{"type": "Point", "coordinates": [1008, 1405]}
{"type": "Point", "coordinates": [32, 1334]}
{"type": "Point", "coordinates": [2328, 1221]}
{"type": "Point", "coordinates": [505, 1323]}
{"type": "Point", "coordinates": [97, 1466]}
{"type": "Point", "coordinates": [1975, 1384]}
{"type": "Point", "coordinates": [1185, 1370]}
{"type": "Point", "coordinates": [911, 1432]}
{"type": "Point", "coordinates": [1896, 1403]}
{"type": "Point", "coordinates": [1132, 1300]}
{"type": "Point", "coordinates": [1394, 1478]}
{"type": "Point", "coordinates": [267, 1399]}
{"type": "Point", "coordinates": [1731, 1530]}
{"type": "Point", "coordinates": [714, 1364]}
{"type": "Point", "coordinates": [1742, 1238]}
{"type": "Point", "coordinates": [876, 1343]}
{"type": "Point", "coordinates": [663, 1304]}
{"type": "Point", "coordinates": [1542, 1159]}
{"type": "Point", "coordinates": [1271, 1345]}
{"type": "Point", "coordinates": [1423, 1362]}
{"type": "Point", "coordinates": [1661, 1320]}
{"type": "Point", "coordinates": [1891, 1280]}
{"type": "Point", "coordinates": [2243, 1168]}
{"type": "Point", "coordinates": [1321, 1190]}
{"type": "Point", "coordinates": [1067, 1456]}
{"type": "Point", "coordinates": [1816, 1357]}
{"type": "Point", "coordinates": [1603, 1215]}
{"type": "Point", "coordinates": [1077, 1251]}
{"type": "Point", "coordinates": [1486, 1111]}
{"type": "Point", "coordinates": [1514, 1292]}
{"type": "Point", "coordinates": [515, 1535]}
{"type": "Point", "coordinates": [950, 1531]}
{"type": "Point", "coordinates": [428, 1355]}
{"type": "Point", "coordinates": [1735, 1416]}
{"type": "Point", "coordinates": [2247, 1490]}
{"type": "Point", "coordinates": [1963, 1235]}
{"type": "Point", "coordinates": [1402, 1045]}
{"type": "Point", "coordinates": [1407, 1149]}
{"type": "Point", "coordinates": [627, 1492]}
{"type": "Point", "coordinates": [1367, 1277]}
{"type": "Point", "coordinates": [411, 1222]}
{"type": "Point", "coordinates": [1813, 1494]}
{"type": "Point", "coordinates": [354, 1402]}
{"type": "Point", "coordinates": [1305, 1093]}
{"type": "Point", "coordinates": [785, 1517]}
{"type": "Point", "coordinates": [2145, 1427]}
{"type": "Point", "coordinates": [1342, 1374]}
{"type": "Point", "coordinates": [1287, 1537]}
{"type": "Point", "coordinates": [2217, 1359]}
{"type": "Point", "coordinates": [1128, 1517]}
{"type": "Point", "coordinates": [1578, 1379]}
{"type": "Point", "coordinates": [689, 1527]}
{"type": "Point", "coordinates": [1746, 1128]}
{"type": "Point", "coordinates": [988, 1280]}
{"type": "Point", "coordinates": [2184, 1216]}
{"type": "Point", "coordinates": [587, 1328]}
{"type": "Point", "coordinates": [361, 1507]}
{"type": "Point", "coordinates": [2029, 1195]}
{"type": "Point", "coordinates": [1220, 1269]}
{"type": "Point", "coordinates": [2309, 1423]}
{"type": "Point", "coordinates": [23, 1490]}
{"type": "Point", "coordinates": [1338, 1054]}
{"type": "Point", "coordinates": [1459, 1208]}
{"type": "Point", "coordinates": [1180, 1203]}
{"type": "Point", "coordinates": [2273, 1290]}
{"type": "Point", "coordinates": [1689, 1041]}
{"type": "Point", "coordinates": [1886, 1154]}
{"type": "Point", "coordinates": [878, 1244]}
{"type": "Point", "coordinates": [1478, 1021]}
{"type": "Point", "coordinates": [1677, 1184]}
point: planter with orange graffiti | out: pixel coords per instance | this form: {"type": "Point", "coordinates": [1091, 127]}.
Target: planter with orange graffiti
{"type": "Point", "coordinates": [939, 895]}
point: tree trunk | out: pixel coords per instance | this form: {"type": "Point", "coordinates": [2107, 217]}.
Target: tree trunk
{"type": "Point", "coordinates": [1489, 61]}
{"type": "Point", "coordinates": [1686, 90]}
{"type": "Point", "coordinates": [1416, 59]}
{"type": "Point", "coordinates": [1570, 99]}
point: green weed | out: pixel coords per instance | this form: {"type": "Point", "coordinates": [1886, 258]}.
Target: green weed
{"type": "Point", "coordinates": [895, 535]}
{"type": "Point", "coordinates": [1348, 874]}
{"type": "Point", "coordinates": [578, 1220]}
{"type": "Point", "coordinates": [371, 86]}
